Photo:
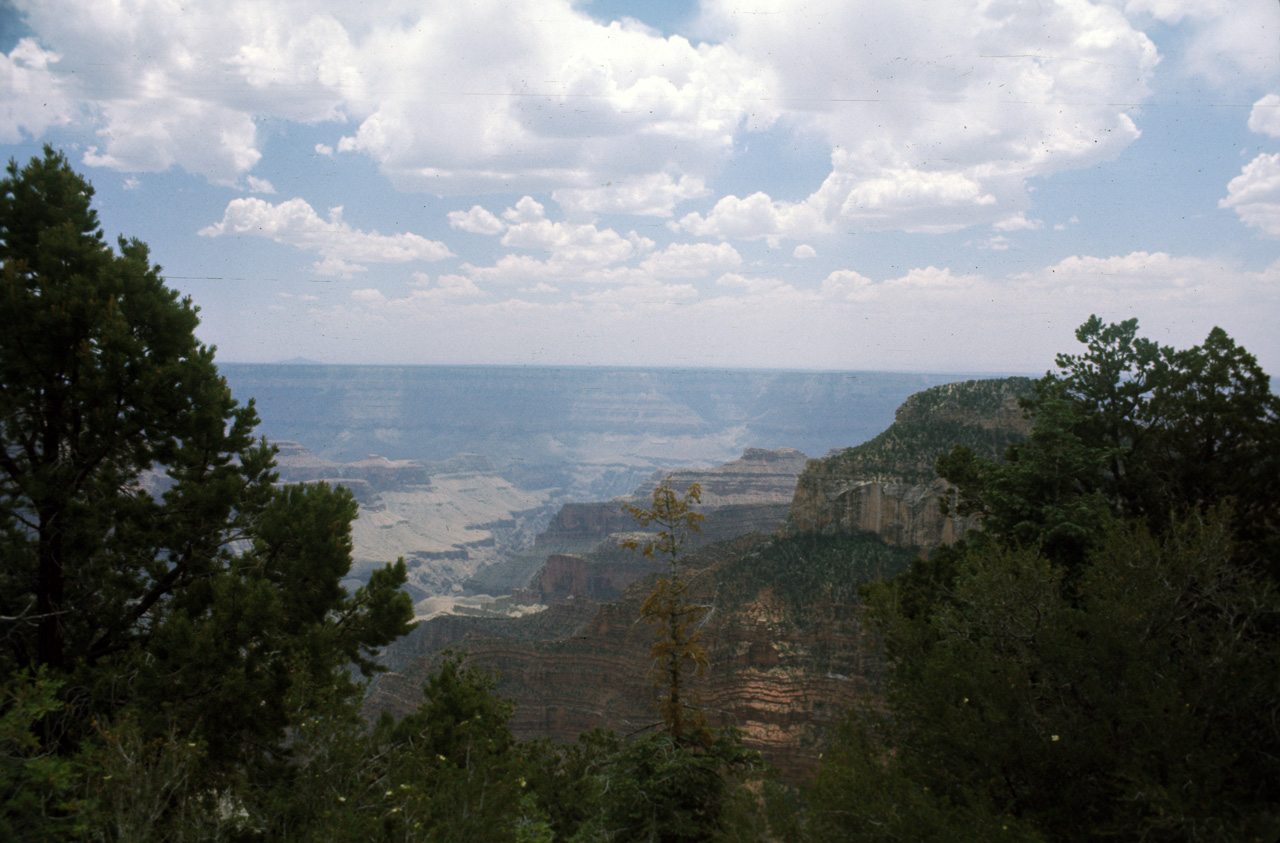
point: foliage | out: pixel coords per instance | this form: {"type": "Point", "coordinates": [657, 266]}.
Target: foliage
{"type": "Point", "coordinates": [1140, 699]}
{"type": "Point", "coordinates": [805, 570]}
{"type": "Point", "coordinates": [661, 788]}
{"type": "Point", "coordinates": [974, 414]}
{"type": "Point", "coordinates": [449, 771]}
{"type": "Point", "coordinates": [165, 611]}
{"type": "Point", "coordinates": [39, 799]}
{"type": "Point", "coordinates": [677, 651]}
{"type": "Point", "coordinates": [1132, 429]}
{"type": "Point", "coordinates": [1101, 659]}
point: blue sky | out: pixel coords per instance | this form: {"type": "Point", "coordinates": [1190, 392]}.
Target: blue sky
{"type": "Point", "coordinates": [817, 185]}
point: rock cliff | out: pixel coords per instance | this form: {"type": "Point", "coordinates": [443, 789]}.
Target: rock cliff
{"type": "Point", "coordinates": [888, 486]}
{"type": "Point", "coordinates": [750, 494]}
{"type": "Point", "coordinates": [787, 652]}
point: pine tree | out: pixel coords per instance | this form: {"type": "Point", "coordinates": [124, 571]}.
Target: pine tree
{"type": "Point", "coordinates": [677, 653]}
{"type": "Point", "coordinates": [148, 560]}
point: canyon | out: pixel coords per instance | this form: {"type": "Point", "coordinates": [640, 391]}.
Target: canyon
{"type": "Point", "coordinates": [786, 650]}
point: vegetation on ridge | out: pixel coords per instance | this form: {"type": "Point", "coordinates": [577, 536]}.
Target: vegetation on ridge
{"type": "Point", "coordinates": [980, 414]}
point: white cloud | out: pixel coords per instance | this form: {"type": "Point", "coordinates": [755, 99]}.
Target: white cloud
{"type": "Point", "coordinates": [1018, 222]}
{"type": "Point", "coordinates": [691, 260]}
{"type": "Point", "coordinates": [535, 95]}
{"type": "Point", "coordinates": [1222, 41]}
{"type": "Point", "coordinates": [540, 287]}
{"type": "Point", "coordinates": [582, 245]}
{"type": "Point", "coordinates": [1255, 194]}
{"type": "Point", "coordinates": [917, 319]}
{"type": "Point", "coordinates": [257, 185]}
{"type": "Point", "coordinates": [804, 252]}
{"type": "Point", "coordinates": [140, 135]}
{"type": "Point", "coordinates": [1264, 118]}
{"type": "Point", "coordinates": [757, 217]}
{"type": "Point", "coordinates": [341, 247]}
{"type": "Point", "coordinates": [937, 121]}
{"type": "Point", "coordinates": [476, 221]}
{"type": "Point", "coordinates": [33, 98]}
{"type": "Point", "coordinates": [934, 122]}
{"type": "Point", "coordinates": [654, 195]}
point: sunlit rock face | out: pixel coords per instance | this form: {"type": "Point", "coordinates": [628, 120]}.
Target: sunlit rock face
{"type": "Point", "coordinates": [888, 486]}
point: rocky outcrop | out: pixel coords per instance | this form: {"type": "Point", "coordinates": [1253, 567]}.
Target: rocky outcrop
{"type": "Point", "coordinates": [888, 485]}
{"type": "Point", "coordinates": [567, 576]}
{"type": "Point", "coordinates": [750, 494]}
{"type": "Point", "coordinates": [904, 515]}
{"type": "Point", "coordinates": [786, 650]}
{"type": "Point", "coordinates": [760, 476]}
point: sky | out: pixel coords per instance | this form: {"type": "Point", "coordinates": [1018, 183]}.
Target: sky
{"type": "Point", "coordinates": [841, 185]}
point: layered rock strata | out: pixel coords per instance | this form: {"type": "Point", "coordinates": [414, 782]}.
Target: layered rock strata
{"type": "Point", "coordinates": [750, 494]}
{"type": "Point", "coordinates": [786, 649]}
{"type": "Point", "coordinates": [888, 485]}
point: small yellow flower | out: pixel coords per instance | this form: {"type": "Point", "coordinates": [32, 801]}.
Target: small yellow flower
{"type": "Point", "coordinates": [1055, 737]}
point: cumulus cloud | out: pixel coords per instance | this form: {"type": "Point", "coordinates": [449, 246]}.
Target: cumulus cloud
{"type": "Point", "coordinates": [933, 122]}
{"type": "Point", "coordinates": [538, 95]}
{"type": "Point", "coordinates": [852, 319]}
{"type": "Point", "coordinates": [210, 139]}
{"type": "Point", "coordinates": [1220, 40]}
{"type": "Point", "coordinates": [256, 185]}
{"type": "Point", "coordinates": [804, 252]}
{"type": "Point", "coordinates": [568, 243]}
{"type": "Point", "coordinates": [691, 260]}
{"type": "Point", "coordinates": [477, 221]}
{"type": "Point", "coordinates": [33, 98]}
{"type": "Point", "coordinates": [654, 195]}
{"type": "Point", "coordinates": [1264, 118]}
{"type": "Point", "coordinates": [1255, 194]}
{"type": "Point", "coordinates": [342, 249]}
{"type": "Point", "coordinates": [936, 122]}
{"type": "Point", "coordinates": [757, 217]}
{"type": "Point", "coordinates": [1018, 222]}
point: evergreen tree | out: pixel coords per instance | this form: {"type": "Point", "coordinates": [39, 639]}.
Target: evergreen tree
{"type": "Point", "coordinates": [1101, 659]}
{"type": "Point", "coordinates": [148, 560]}
{"type": "Point", "coordinates": [677, 654]}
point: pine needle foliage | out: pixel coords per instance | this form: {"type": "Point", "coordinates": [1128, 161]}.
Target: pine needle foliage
{"type": "Point", "coordinates": [677, 653]}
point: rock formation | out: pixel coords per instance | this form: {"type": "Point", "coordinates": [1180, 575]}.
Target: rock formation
{"type": "Point", "coordinates": [750, 494]}
{"type": "Point", "coordinates": [888, 486]}
{"type": "Point", "coordinates": [787, 652]}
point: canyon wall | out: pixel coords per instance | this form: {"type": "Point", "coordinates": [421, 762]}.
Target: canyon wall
{"type": "Point", "coordinates": [787, 652]}
{"type": "Point", "coordinates": [888, 485]}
